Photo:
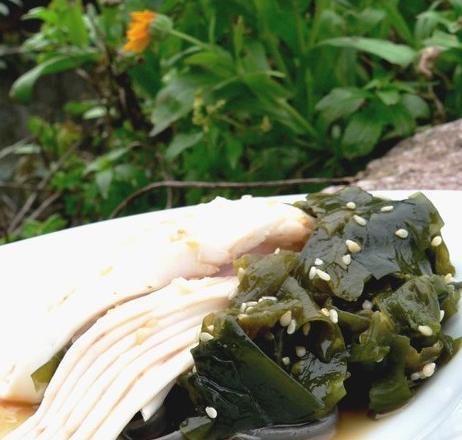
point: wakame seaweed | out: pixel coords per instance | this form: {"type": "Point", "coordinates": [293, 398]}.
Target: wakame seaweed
{"type": "Point", "coordinates": [305, 327]}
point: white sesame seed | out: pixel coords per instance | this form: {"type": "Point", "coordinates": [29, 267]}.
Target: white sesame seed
{"type": "Point", "coordinates": [367, 305]}
{"type": "Point", "coordinates": [352, 246]}
{"type": "Point", "coordinates": [346, 259]}
{"type": "Point", "coordinates": [251, 303]}
{"type": "Point", "coordinates": [379, 360]}
{"type": "Point", "coordinates": [306, 328]}
{"type": "Point", "coordinates": [425, 330]}
{"type": "Point", "coordinates": [436, 241]}
{"type": "Point", "coordinates": [351, 205]}
{"type": "Point", "coordinates": [277, 251]}
{"type": "Point", "coordinates": [318, 262]}
{"type": "Point", "coordinates": [211, 412]}
{"type": "Point", "coordinates": [211, 328]}
{"type": "Point", "coordinates": [292, 326]}
{"type": "Point", "coordinates": [387, 208]}
{"type": "Point", "coordinates": [360, 220]}
{"type": "Point", "coordinates": [323, 275]}
{"type": "Point", "coordinates": [249, 309]}
{"type": "Point", "coordinates": [240, 273]}
{"type": "Point", "coordinates": [285, 319]}
{"type": "Point", "coordinates": [242, 316]}
{"type": "Point", "coordinates": [243, 307]}
{"type": "Point", "coordinates": [312, 273]}
{"type": "Point", "coordinates": [205, 337]}
{"type": "Point", "coordinates": [267, 298]}
{"type": "Point", "coordinates": [194, 369]}
{"type": "Point", "coordinates": [285, 360]}
{"type": "Point", "coordinates": [324, 311]}
{"type": "Point", "coordinates": [415, 376]}
{"type": "Point", "coordinates": [429, 369]}
{"type": "Point", "coordinates": [448, 278]}
{"type": "Point", "coordinates": [402, 233]}
{"type": "Point", "coordinates": [441, 315]}
{"type": "Point", "coordinates": [300, 351]}
{"type": "Point", "coordinates": [333, 315]}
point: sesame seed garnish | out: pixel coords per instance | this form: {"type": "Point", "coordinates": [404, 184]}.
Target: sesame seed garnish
{"type": "Point", "coordinates": [277, 251]}
{"type": "Point", "coordinates": [429, 369]}
{"type": "Point", "coordinates": [194, 369]}
{"type": "Point", "coordinates": [285, 319]}
{"type": "Point", "coordinates": [249, 309]}
{"type": "Point", "coordinates": [292, 326]}
{"type": "Point", "coordinates": [448, 278]}
{"type": "Point", "coordinates": [240, 273]}
{"type": "Point", "coordinates": [441, 315]}
{"type": "Point", "coordinates": [346, 259]}
{"type": "Point", "coordinates": [243, 307]}
{"type": "Point", "coordinates": [285, 360]}
{"type": "Point", "coordinates": [387, 208]}
{"type": "Point", "coordinates": [242, 316]}
{"type": "Point", "coordinates": [251, 303]}
{"type": "Point", "coordinates": [351, 205]}
{"type": "Point", "coordinates": [318, 262]}
{"type": "Point", "coordinates": [267, 298]}
{"type": "Point", "coordinates": [379, 360]}
{"type": "Point", "coordinates": [352, 246]}
{"type": "Point", "coordinates": [360, 220]}
{"type": "Point", "coordinates": [324, 311]}
{"type": "Point", "coordinates": [333, 315]}
{"type": "Point", "coordinates": [211, 328]}
{"type": "Point", "coordinates": [306, 328]}
{"type": "Point", "coordinates": [300, 351]}
{"type": "Point", "coordinates": [415, 376]}
{"type": "Point", "coordinates": [323, 275]}
{"type": "Point", "coordinates": [211, 412]}
{"type": "Point", "coordinates": [312, 273]}
{"type": "Point", "coordinates": [401, 233]}
{"type": "Point", "coordinates": [367, 305]}
{"type": "Point", "coordinates": [205, 337]}
{"type": "Point", "coordinates": [425, 330]}
{"type": "Point", "coordinates": [436, 241]}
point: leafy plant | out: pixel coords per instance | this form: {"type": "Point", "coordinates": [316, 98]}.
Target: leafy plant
{"type": "Point", "coordinates": [234, 91]}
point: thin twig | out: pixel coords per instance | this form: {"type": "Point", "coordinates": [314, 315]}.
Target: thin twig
{"type": "Point", "coordinates": [19, 217]}
{"type": "Point", "coordinates": [19, 186]}
{"type": "Point", "coordinates": [217, 185]}
{"type": "Point", "coordinates": [37, 212]}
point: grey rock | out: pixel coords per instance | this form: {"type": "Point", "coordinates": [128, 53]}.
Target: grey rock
{"type": "Point", "coordinates": [431, 159]}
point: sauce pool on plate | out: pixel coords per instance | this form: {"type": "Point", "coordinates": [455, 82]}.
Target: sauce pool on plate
{"type": "Point", "coordinates": [12, 415]}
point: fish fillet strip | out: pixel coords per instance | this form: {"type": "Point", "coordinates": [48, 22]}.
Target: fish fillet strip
{"type": "Point", "coordinates": [196, 244]}
{"type": "Point", "coordinates": [111, 372]}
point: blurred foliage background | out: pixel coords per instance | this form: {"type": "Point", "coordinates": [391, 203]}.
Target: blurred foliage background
{"type": "Point", "coordinates": [235, 90]}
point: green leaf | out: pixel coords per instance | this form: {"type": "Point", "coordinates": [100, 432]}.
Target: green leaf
{"type": "Point", "coordinates": [75, 25]}
{"type": "Point", "coordinates": [234, 150]}
{"type": "Point", "coordinates": [22, 88]}
{"type": "Point", "coordinates": [394, 53]}
{"type": "Point", "coordinates": [416, 106]}
{"type": "Point", "coordinates": [103, 181]}
{"type": "Point", "coordinates": [361, 134]}
{"type": "Point", "coordinates": [340, 102]}
{"type": "Point", "coordinates": [181, 142]}
{"type": "Point", "coordinates": [388, 96]}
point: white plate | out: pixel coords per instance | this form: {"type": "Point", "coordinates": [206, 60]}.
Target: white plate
{"type": "Point", "coordinates": [44, 263]}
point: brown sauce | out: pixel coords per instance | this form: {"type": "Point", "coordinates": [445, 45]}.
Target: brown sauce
{"type": "Point", "coordinates": [351, 425]}
{"type": "Point", "coordinates": [12, 415]}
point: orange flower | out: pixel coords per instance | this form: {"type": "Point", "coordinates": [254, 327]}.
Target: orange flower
{"type": "Point", "coordinates": [138, 34]}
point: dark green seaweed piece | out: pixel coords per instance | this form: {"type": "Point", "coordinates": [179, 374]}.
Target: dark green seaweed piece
{"type": "Point", "coordinates": [391, 390]}
{"type": "Point", "coordinates": [246, 387]}
{"type": "Point", "coordinates": [416, 304]}
{"type": "Point", "coordinates": [42, 376]}
{"type": "Point", "coordinates": [382, 252]}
